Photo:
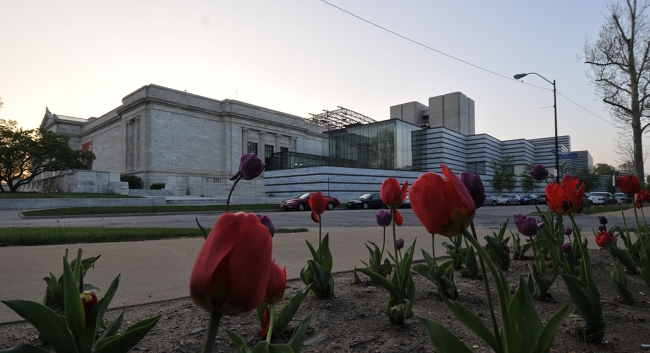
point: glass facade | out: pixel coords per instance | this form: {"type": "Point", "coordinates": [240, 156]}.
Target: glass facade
{"type": "Point", "coordinates": [381, 145]}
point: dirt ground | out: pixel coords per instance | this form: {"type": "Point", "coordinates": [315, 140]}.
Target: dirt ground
{"type": "Point", "coordinates": [353, 321]}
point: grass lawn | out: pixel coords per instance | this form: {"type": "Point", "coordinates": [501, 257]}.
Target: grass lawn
{"type": "Point", "coordinates": [63, 235]}
{"type": "Point", "coordinates": [602, 209]}
{"type": "Point", "coordinates": [77, 211]}
{"type": "Point", "coordinates": [60, 195]}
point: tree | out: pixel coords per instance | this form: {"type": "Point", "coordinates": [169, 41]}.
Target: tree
{"type": "Point", "coordinates": [605, 169]}
{"type": "Point", "coordinates": [590, 179]}
{"type": "Point", "coordinates": [24, 154]}
{"type": "Point", "coordinates": [526, 182]}
{"type": "Point", "coordinates": [504, 174]}
{"type": "Point", "coordinates": [620, 70]}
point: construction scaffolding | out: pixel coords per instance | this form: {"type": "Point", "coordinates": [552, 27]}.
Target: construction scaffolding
{"type": "Point", "coordinates": [338, 119]}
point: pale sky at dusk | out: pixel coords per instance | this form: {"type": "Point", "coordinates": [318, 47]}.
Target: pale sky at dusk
{"type": "Point", "coordinates": [81, 58]}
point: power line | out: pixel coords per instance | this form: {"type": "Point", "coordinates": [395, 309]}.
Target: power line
{"type": "Point", "coordinates": [457, 59]}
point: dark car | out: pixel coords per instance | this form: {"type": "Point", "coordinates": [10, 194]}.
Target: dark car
{"type": "Point", "coordinates": [406, 203]}
{"type": "Point", "coordinates": [529, 199]}
{"type": "Point", "coordinates": [586, 202]}
{"type": "Point", "coordinates": [541, 198]}
{"type": "Point", "coordinates": [366, 201]}
{"type": "Point", "coordinates": [301, 202]}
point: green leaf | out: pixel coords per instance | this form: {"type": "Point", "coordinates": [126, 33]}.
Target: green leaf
{"type": "Point", "coordinates": [313, 251]}
{"type": "Point", "coordinates": [25, 348]}
{"type": "Point", "coordinates": [74, 310]}
{"type": "Point", "coordinates": [472, 321]}
{"type": "Point", "coordinates": [381, 280]}
{"type": "Point", "coordinates": [624, 257]}
{"type": "Point", "coordinates": [112, 330]}
{"type": "Point", "coordinates": [130, 338]}
{"type": "Point", "coordinates": [280, 348]}
{"type": "Point", "coordinates": [443, 340]}
{"type": "Point", "coordinates": [238, 343]}
{"type": "Point", "coordinates": [326, 255]}
{"type": "Point", "coordinates": [587, 303]}
{"type": "Point", "coordinates": [524, 319]}
{"type": "Point", "coordinates": [48, 323]}
{"type": "Point", "coordinates": [288, 311]}
{"type": "Point", "coordinates": [547, 335]}
{"type": "Point", "coordinates": [97, 314]}
{"type": "Point", "coordinates": [298, 336]}
{"type": "Point", "coordinates": [323, 280]}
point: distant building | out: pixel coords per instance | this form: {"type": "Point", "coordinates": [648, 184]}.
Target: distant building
{"type": "Point", "coordinates": [193, 144]}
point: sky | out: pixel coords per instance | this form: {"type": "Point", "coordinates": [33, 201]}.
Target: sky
{"type": "Point", "coordinates": [80, 58]}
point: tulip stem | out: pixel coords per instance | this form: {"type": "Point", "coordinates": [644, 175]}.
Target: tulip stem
{"type": "Point", "coordinates": [211, 333]}
{"type": "Point", "coordinates": [392, 214]}
{"type": "Point", "coordinates": [269, 333]}
{"type": "Point", "coordinates": [503, 307]}
{"type": "Point", "coordinates": [433, 249]}
{"type": "Point", "coordinates": [230, 193]}
{"type": "Point", "coordinates": [495, 326]}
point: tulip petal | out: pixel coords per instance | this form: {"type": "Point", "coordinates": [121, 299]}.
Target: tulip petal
{"type": "Point", "coordinates": [398, 218]}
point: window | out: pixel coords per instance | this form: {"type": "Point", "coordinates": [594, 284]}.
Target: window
{"type": "Point", "coordinates": [476, 168]}
{"type": "Point", "coordinates": [268, 151]}
{"type": "Point", "coordinates": [252, 147]}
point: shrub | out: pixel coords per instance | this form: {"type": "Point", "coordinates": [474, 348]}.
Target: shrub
{"type": "Point", "coordinates": [157, 186]}
{"type": "Point", "coordinates": [135, 182]}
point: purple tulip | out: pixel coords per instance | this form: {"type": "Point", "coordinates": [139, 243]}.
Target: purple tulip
{"type": "Point", "coordinates": [250, 167]}
{"type": "Point", "coordinates": [527, 226]}
{"type": "Point", "coordinates": [602, 219]}
{"type": "Point", "coordinates": [266, 221]}
{"type": "Point", "coordinates": [384, 218]}
{"type": "Point", "coordinates": [474, 185]}
{"type": "Point", "coordinates": [568, 230]}
{"type": "Point", "coordinates": [602, 227]}
{"type": "Point", "coordinates": [566, 248]}
{"type": "Point", "coordinates": [400, 243]}
{"type": "Point", "coordinates": [539, 173]}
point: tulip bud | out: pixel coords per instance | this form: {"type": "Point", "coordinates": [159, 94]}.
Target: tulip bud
{"type": "Point", "coordinates": [604, 238]}
{"type": "Point", "coordinates": [568, 230]}
{"type": "Point", "coordinates": [266, 221]}
{"type": "Point", "coordinates": [602, 219]}
{"type": "Point", "coordinates": [641, 197]}
{"type": "Point", "coordinates": [276, 284]}
{"type": "Point", "coordinates": [566, 248]}
{"type": "Point", "coordinates": [250, 167]}
{"type": "Point", "coordinates": [400, 243]}
{"type": "Point", "coordinates": [475, 187]}
{"type": "Point", "coordinates": [527, 226]}
{"type": "Point", "coordinates": [602, 228]}
{"type": "Point", "coordinates": [88, 300]}
{"type": "Point", "coordinates": [384, 218]}
{"type": "Point", "coordinates": [539, 173]}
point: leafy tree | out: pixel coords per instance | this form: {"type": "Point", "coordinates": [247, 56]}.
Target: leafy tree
{"type": "Point", "coordinates": [504, 174]}
{"type": "Point", "coordinates": [24, 154]}
{"type": "Point", "coordinates": [620, 70]}
{"type": "Point", "coordinates": [526, 182]}
{"type": "Point", "coordinates": [589, 178]}
{"type": "Point", "coordinates": [626, 167]}
{"type": "Point", "coordinates": [605, 169]}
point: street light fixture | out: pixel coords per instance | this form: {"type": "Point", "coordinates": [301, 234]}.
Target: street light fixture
{"type": "Point", "coordinates": [557, 150]}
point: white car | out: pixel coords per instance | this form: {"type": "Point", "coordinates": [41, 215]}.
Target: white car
{"type": "Point", "coordinates": [508, 199]}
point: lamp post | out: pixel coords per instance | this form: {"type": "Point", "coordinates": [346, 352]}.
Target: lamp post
{"type": "Point", "coordinates": [557, 150]}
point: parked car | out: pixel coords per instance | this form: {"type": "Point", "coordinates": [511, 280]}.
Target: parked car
{"type": "Point", "coordinates": [406, 203]}
{"type": "Point", "coordinates": [301, 202]}
{"type": "Point", "coordinates": [586, 201]}
{"type": "Point", "coordinates": [622, 198]}
{"type": "Point", "coordinates": [490, 200]}
{"type": "Point", "coordinates": [529, 199]}
{"type": "Point", "coordinates": [508, 199]}
{"type": "Point", "coordinates": [602, 198]}
{"type": "Point", "coordinates": [366, 201]}
{"type": "Point", "coordinates": [541, 198]}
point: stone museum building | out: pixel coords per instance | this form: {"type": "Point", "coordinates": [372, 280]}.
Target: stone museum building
{"type": "Point", "coordinates": [193, 144]}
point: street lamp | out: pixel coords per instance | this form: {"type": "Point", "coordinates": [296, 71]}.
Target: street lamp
{"type": "Point", "coordinates": [557, 150]}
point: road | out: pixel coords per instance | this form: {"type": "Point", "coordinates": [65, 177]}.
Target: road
{"type": "Point", "coordinates": [489, 217]}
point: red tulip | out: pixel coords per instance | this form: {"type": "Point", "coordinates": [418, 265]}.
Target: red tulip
{"type": "Point", "coordinates": [604, 238]}
{"type": "Point", "coordinates": [629, 184]}
{"type": "Point", "coordinates": [276, 284]}
{"type": "Point", "coordinates": [232, 268]}
{"type": "Point", "coordinates": [443, 206]}
{"type": "Point", "coordinates": [317, 203]}
{"type": "Point", "coordinates": [565, 198]}
{"type": "Point", "coordinates": [391, 193]}
{"type": "Point", "coordinates": [641, 197]}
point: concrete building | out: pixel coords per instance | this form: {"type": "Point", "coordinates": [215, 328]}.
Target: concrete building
{"type": "Point", "coordinates": [193, 144]}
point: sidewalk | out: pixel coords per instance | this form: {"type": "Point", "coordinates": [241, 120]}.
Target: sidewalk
{"type": "Point", "coordinates": [160, 270]}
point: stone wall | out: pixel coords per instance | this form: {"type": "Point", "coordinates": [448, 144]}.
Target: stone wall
{"type": "Point", "coordinates": [81, 182]}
